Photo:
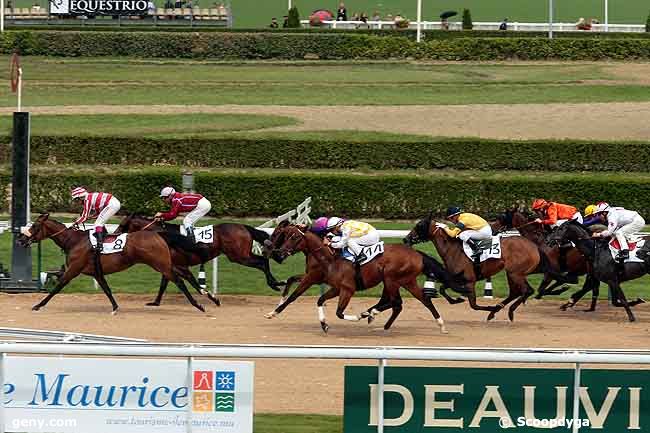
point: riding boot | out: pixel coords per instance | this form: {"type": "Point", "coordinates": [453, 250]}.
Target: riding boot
{"type": "Point", "coordinates": [189, 233]}
{"type": "Point", "coordinates": [99, 235]}
{"type": "Point", "coordinates": [360, 258]}
{"type": "Point", "coordinates": [622, 256]}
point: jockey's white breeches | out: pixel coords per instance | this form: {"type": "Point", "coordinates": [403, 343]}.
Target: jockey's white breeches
{"type": "Point", "coordinates": [112, 207]}
{"type": "Point", "coordinates": [623, 233]}
{"type": "Point", "coordinates": [576, 217]}
{"type": "Point", "coordinates": [202, 208]}
{"type": "Point", "coordinates": [356, 244]}
{"type": "Point", "coordinates": [479, 235]}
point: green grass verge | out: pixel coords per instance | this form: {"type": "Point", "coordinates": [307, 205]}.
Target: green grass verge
{"type": "Point", "coordinates": [152, 126]}
{"type": "Point", "coordinates": [276, 423]}
{"type": "Point", "coordinates": [235, 279]}
{"type": "Point", "coordinates": [55, 81]}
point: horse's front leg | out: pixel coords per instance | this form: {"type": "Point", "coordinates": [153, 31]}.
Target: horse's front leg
{"type": "Point", "coordinates": [307, 281]}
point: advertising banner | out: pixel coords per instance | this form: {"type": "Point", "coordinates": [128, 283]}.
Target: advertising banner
{"type": "Point", "coordinates": [79, 395]}
{"type": "Point", "coordinates": [99, 7]}
{"type": "Point", "coordinates": [490, 400]}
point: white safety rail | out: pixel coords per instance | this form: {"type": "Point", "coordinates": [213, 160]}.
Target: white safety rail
{"type": "Point", "coordinates": [61, 336]}
{"type": "Point", "coordinates": [457, 26]}
{"type": "Point", "coordinates": [382, 354]}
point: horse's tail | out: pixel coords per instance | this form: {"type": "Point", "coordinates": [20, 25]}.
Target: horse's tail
{"type": "Point", "coordinates": [184, 245]}
{"type": "Point", "coordinates": [434, 269]}
{"type": "Point", "coordinates": [257, 234]}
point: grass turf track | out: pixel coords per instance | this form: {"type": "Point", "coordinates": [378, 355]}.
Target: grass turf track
{"type": "Point", "coordinates": [54, 81]}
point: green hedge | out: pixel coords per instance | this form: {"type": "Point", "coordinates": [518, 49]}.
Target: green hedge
{"type": "Point", "coordinates": [324, 45]}
{"type": "Point", "coordinates": [411, 34]}
{"type": "Point", "coordinates": [474, 154]}
{"type": "Point", "coordinates": [371, 195]}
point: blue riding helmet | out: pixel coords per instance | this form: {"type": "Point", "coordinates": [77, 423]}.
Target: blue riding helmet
{"type": "Point", "coordinates": [453, 210]}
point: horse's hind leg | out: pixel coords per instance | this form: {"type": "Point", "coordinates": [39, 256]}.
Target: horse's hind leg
{"type": "Point", "coordinates": [107, 291]}
{"type": "Point", "coordinates": [412, 286]}
{"type": "Point", "coordinates": [181, 285]}
{"type": "Point", "coordinates": [471, 298]}
{"type": "Point", "coordinates": [185, 273]}
{"type": "Point", "coordinates": [397, 309]}
{"type": "Point", "coordinates": [164, 282]}
{"type": "Point", "coordinates": [514, 292]}
{"type": "Point", "coordinates": [263, 265]}
{"type": "Point", "coordinates": [522, 300]}
{"type": "Point", "coordinates": [543, 288]}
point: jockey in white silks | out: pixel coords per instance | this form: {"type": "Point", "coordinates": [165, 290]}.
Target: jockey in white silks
{"type": "Point", "coordinates": [352, 234]}
{"type": "Point", "coordinates": [622, 224]}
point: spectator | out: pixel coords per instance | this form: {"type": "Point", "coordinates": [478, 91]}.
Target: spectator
{"type": "Point", "coordinates": [274, 23]}
{"type": "Point", "coordinates": [582, 24]}
{"type": "Point", "coordinates": [355, 16]}
{"type": "Point", "coordinates": [504, 24]}
{"type": "Point", "coordinates": [178, 4]}
{"type": "Point", "coordinates": [376, 16]}
{"type": "Point", "coordinates": [223, 10]}
{"type": "Point", "coordinates": [189, 4]}
{"type": "Point", "coordinates": [444, 24]}
{"type": "Point", "coordinates": [169, 4]}
{"type": "Point", "coordinates": [151, 8]}
{"type": "Point", "coordinates": [10, 5]}
{"type": "Point", "coordinates": [342, 13]}
{"type": "Point", "coordinates": [364, 18]}
{"type": "Point", "coordinates": [285, 23]}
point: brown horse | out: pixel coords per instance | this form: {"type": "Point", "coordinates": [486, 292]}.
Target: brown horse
{"type": "Point", "coordinates": [233, 240]}
{"type": "Point", "coordinates": [144, 247]}
{"type": "Point", "coordinates": [519, 257]}
{"type": "Point", "coordinates": [397, 267]}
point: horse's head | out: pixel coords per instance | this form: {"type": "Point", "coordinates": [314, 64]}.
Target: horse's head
{"type": "Point", "coordinates": [135, 222]}
{"type": "Point", "coordinates": [569, 231]}
{"type": "Point", "coordinates": [293, 242]}
{"type": "Point", "coordinates": [35, 232]}
{"type": "Point", "coordinates": [271, 245]}
{"type": "Point", "coordinates": [419, 233]}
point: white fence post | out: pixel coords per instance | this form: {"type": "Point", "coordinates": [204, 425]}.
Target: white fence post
{"type": "Point", "coordinates": [380, 395]}
{"type": "Point", "coordinates": [215, 276]}
{"type": "Point", "coordinates": [190, 395]}
{"type": "Point", "coordinates": [576, 397]}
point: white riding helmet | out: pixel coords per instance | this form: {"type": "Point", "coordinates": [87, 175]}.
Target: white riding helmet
{"type": "Point", "coordinates": [167, 191]}
{"type": "Point", "coordinates": [602, 207]}
{"type": "Point", "coordinates": [333, 222]}
{"type": "Point", "coordinates": [79, 192]}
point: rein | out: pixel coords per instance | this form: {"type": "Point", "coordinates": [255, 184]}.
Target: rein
{"type": "Point", "coordinates": [148, 225]}
{"type": "Point", "coordinates": [59, 232]}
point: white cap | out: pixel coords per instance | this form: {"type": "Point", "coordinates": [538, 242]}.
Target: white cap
{"type": "Point", "coordinates": [79, 192]}
{"type": "Point", "coordinates": [333, 222]}
{"type": "Point", "coordinates": [167, 191]}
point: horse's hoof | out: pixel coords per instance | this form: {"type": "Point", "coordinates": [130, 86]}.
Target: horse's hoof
{"type": "Point", "coordinates": [36, 308]}
{"type": "Point", "coordinates": [640, 301]}
{"type": "Point", "coordinates": [511, 316]}
{"type": "Point", "coordinates": [200, 308]}
{"type": "Point", "coordinates": [444, 330]}
{"type": "Point", "coordinates": [153, 304]}
{"type": "Point", "coordinates": [213, 299]}
{"type": "Point", "coordinates": [217, 302]}
{"type": "Point", "coordinates": [114, 312]}
{"type": "Point", "coordinates": [491, 316]}
{"type": "Point", "coordinates": [538, 296]}
{"type": "Point", "coordinates": [325, 327]}
{"type": "Point", "coordinates": [589, 310]}
{"type": "Point", "coordinates": [271, 315]}
{"type": "Point", "coordinates": [371, 319]}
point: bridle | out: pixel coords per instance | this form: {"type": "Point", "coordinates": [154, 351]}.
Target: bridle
{"type": "Point", "coordinates": [30, 239]}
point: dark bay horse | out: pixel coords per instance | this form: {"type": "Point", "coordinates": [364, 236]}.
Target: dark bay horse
{"type": "Point", "coordinates": [145, 247]}
{"type": "Point", "coordinates": [603, 266]}
{"type": "Point", "coordinates": [571, 260]}
{"type": "Point", "coordinates": [233, 240]}
{"type": "Point", "coordinates": [520, 258]}
{"type": "Point", "coordinates": [398, 266]}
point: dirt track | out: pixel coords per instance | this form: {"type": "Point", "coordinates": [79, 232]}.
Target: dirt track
{"type": "Point", "coordinates": [288, 386]}
{"type": "Point", "coordinates": [620, 121]}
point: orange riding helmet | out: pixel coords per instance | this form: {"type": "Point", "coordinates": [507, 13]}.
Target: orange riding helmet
{"type": "Point", "coordinates": [540, 204]}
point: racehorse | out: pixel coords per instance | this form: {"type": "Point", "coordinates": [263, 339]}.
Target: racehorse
{"type": "Point", "coordinates": [233, 240]}
{"type": "Point", "coordinates": [604, 267]}
{"type": "Point", "coordinates": [148, 248]}
{"type": "Point", "coordinates": [520, 258]}
{"type": "Point", "coordinates": [397, 267]}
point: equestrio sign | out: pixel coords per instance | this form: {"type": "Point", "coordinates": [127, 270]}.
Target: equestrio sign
{"type": "Point", "coordinates": [489, 400]}
{"type": "Point", "coordinates": [78, 395]}
{"type": "Point", "coordinates": [98, 7]}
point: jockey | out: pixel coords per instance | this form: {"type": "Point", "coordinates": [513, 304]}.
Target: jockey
{"type": "Point", "coordinates": [622, 224]}
{"type": "Point", "coordinates": [555, 214]}
{"type": "Point", "coordinates": [195, 205]}
{"type": "Point", "coordinates": [353, 234]}
{"type": "Point", "coordinates": [591, 217]}
{"type": "Point", "coordinates": [100, 204]}
{"type": "Point", "coordinates": [470, 228]}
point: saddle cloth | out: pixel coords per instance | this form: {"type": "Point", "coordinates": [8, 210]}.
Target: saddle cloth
{"type": "Point", "coordinates": [203, 235]}
{"type": "Point", "coordinates": [615, 247]}
{"type": "Point", "coordinates": [112, 244]}
{"type": "Point", "coordinates": [371, 252]}
{"type": "Point", "coordinates": [489, 250]}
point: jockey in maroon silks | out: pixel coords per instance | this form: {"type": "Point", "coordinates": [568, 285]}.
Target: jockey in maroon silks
{"type": "Point", "coordinates": [195, 205]}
